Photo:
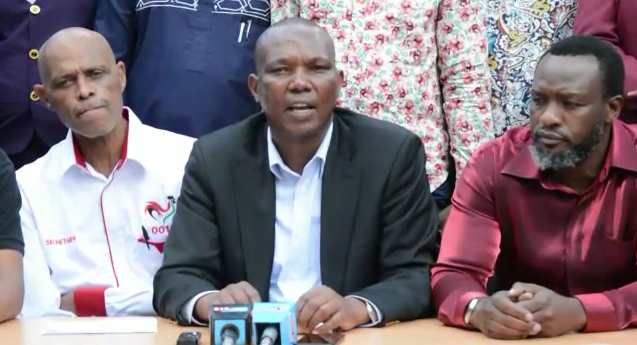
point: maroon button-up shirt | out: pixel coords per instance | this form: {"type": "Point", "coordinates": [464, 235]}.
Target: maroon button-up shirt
{"type": "Point", "coordinates": [582, 245]}
{"type": "Point", "coordinates": [614, 22]}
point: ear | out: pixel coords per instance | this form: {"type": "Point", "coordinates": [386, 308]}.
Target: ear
{"type": "Point", "coordinates": [121, 74]}
{"type": "Point", "coordinates": [41, 92]}
{"type": "Point", "coordinates": [341, 78]}
{"type": "Point", "coordinates": [253, 85]}
{"type": "Point", "coordinates": [614, 108]}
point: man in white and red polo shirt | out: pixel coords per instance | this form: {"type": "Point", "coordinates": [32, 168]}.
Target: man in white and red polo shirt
{"type": "Point", "coordinates": [97, 208]}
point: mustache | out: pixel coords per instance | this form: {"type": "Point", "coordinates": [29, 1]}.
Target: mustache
{"type": "Point", "coordinates": [541, 132]}
{"type": "Point", "coordinates": [88, 106]}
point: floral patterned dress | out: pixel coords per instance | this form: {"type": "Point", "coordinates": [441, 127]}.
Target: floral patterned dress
{"type": "Point", "coordinates": [519, 32]}
{"type": "Point", "coordinates": [418, 63]}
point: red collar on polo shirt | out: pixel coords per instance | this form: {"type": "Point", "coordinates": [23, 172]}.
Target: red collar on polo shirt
{"type": "Point", "coordinates": [79, 160]}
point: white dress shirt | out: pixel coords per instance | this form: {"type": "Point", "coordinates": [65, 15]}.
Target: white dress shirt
{"type": "Point", "coordinates": [297, 229]}
{"type": "Point", "coordinates": [100, 237]}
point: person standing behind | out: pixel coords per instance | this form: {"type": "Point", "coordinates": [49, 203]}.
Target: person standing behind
{"type": "Point", "coordinates": [420, 64]}
{"type": "Point", "coordinates": [187, 61]}
{"type": "Point", "coordinates": [27, 128]}
{"type": "Point", "coordinates": [519, 32]}
{"type": "Point", "coordinates": [614, 22]}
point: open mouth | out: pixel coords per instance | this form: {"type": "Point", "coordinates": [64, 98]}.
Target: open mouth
{"type": "Point", "coordinates": [300, 107]}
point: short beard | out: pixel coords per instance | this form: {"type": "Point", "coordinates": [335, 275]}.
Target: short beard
{"type": "Point", "coordinates": [569, 158]}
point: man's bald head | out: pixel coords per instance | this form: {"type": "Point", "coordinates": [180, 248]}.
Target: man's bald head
{"type": "Point", "coordinates": [286, 29]}
{"type": "Point", "coordinates": [65, 43]}
{"type": "Point", "coordinates": [81, 81]}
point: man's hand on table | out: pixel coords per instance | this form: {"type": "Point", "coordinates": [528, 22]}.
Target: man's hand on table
{"type": "Point", "coordinates": [67, 303]}
{"type": "Point", "coordinates": [319, 305]}
{"type": "Point", "coordinates": [324, 305]}
{"type": "Point", "coordinates": [499, 317]}
{"type": "Point", "coordinates": [240, 293]}
{"type": "Point", "coordinates": [556, 314]}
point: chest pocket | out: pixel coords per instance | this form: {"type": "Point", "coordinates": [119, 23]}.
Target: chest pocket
{"type": "Point", "coordinates": [222, 35]}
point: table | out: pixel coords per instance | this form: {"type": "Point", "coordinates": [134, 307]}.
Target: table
{"type": "Point", "coordinates": [423, 332]}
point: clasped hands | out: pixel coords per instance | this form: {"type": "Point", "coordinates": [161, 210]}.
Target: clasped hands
{"type": "Point", "coordinates": [320, 310]}
{"type": "Point", "coordinates": [527, 310]}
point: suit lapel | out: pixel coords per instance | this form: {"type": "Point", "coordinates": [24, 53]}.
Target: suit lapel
{"type": "Point", "coordinates": [339, 199]}
{"type": "Point", "coordinates": [254, 186]}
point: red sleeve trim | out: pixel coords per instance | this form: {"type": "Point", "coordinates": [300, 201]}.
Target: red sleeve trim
{"type": "Point", "coordinates": [90, 301]}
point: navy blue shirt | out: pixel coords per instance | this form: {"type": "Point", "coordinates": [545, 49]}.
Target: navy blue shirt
{"type": "Point", "coordinates": [188, 61]}
{"type": "Point", "coordinates": [24, 27]}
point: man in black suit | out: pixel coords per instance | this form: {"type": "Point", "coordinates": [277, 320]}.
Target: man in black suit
{"type": "Point", "coordinates": [302, 203]}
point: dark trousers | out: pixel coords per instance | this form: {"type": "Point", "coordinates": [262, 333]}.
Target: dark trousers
{"type": "Point", "coordinates": [34, 150]}
{"type": "Point", "coordinates": [442, 195]}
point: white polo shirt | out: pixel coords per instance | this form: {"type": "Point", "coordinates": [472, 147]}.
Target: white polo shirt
{"type": "Point", "coordinates": [102, 238]}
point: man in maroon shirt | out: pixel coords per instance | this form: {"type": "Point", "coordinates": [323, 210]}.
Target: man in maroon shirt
{"type": "Point", "coordinates": [614, 22]}
{"type": "Point", "coordinates": [554, 204]}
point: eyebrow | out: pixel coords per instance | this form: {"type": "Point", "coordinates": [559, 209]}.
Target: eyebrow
{"type": "Point", "coordinates": [284, 60]}
{"type": "Point", "coordinates": [89, 69]}
{"type": "Point", "coordinates": [562, 93]}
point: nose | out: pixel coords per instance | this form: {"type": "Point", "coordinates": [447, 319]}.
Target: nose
{"type": "Point", "coordinates": [551, 116]}
{"type": "Point", "coordinates": [85, 88]}
{"type": "Point", "coordinates": [300, 81]}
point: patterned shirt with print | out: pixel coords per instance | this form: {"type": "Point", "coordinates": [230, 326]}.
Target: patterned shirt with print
{"type": "Point", "coordinates": [420, 64]}
{"type": "Point", "coordinates": [519, 32]}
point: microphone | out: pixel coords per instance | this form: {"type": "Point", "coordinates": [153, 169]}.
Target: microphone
{"type": "Point", "coordinates": [274, 323]}
{"type": "Point", "coordinates": [269, 335]}
{"type": "Point", "coordinates": [229, 335]}
{"type": "Point", "coordinates": [230, 324]}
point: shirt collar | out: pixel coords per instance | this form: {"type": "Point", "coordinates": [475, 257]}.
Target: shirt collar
{"type": "Point", "coordinates": [276, 162]}
{"type": "Point", "coordinates": [622, 151]}
{"type": "Point", "coordinates": [132, 148]}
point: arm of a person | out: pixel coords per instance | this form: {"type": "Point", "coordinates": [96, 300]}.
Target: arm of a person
{"type": "Point", "coordinates": [192, 253]}
{"type": "Point", "coordinates": [11, 243]}
{"type": "Point", "coordinates": [470, 241]}
{"type": "Point", "coordinates": [41, 295]}
{"type": "Point", "coordinates": [599, 19]}
{"type": "Point", "coordinates": [464, 76]}
{"type": "Point", "coordinates": [282, 9]}
{"type": "Point", "coordinates": [133, 299]}
{"type": "Point", "coordinates": [611, 310]}
{"type": "Point", "coordinates": [114, 19]}
{"type": "Point", "coordinates": [408, 239]}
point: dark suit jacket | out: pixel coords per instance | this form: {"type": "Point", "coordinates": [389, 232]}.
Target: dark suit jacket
{"type": "Point", "coordinates": [378, 219]}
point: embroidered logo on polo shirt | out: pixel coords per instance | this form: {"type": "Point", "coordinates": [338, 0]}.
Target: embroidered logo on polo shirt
{"type": "Point", "coordinates": [157, 221]}
{"type": "Point", "coordinates": [159, 213]}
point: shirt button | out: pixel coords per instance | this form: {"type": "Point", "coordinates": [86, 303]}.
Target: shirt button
{"type": "Point", "coordinates": [35, 9]}
{"type": "Point", "coordinates": [34, 96]}
{"type": "Point", "coordinates": [33, 53]}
